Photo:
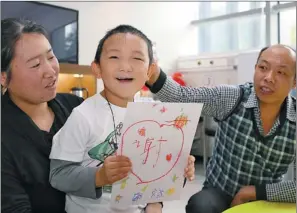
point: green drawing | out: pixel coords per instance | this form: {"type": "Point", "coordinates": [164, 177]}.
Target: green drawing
{"type": "Point", "coordinates": [107, 147]}
{"type": "Point", "coordinates": [144, 188]}
{"type": "Point", "coordinates": [174, 178]}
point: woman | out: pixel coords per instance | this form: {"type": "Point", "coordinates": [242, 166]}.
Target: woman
{"type": "Point", "coordinates": [31, 114]}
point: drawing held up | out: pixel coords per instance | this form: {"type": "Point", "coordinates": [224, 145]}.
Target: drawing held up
{"type": "Point", "coordinates": [157, 138]}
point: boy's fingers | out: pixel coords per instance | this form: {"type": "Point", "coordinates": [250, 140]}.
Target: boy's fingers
{"type": "Point", "coordinates": [191, 159]}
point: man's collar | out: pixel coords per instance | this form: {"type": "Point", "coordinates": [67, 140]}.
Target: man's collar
{"type": "Point", "coordinates": [252, 102]}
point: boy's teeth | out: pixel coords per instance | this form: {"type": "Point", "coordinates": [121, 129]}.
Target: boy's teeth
{"type": "Point", "coordinates": [265, 89]}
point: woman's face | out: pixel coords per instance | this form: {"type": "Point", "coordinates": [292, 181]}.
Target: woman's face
{"type": "Point", "coordinates": [34, 70]}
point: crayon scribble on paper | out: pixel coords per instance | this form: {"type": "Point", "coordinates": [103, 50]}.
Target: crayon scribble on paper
{"type": "Point", "coordinates": [174, 178]}
{"type": "Point", "coordinates": [144, 188]}
{"type": "Point", "coordinates": [136, 197]}
{"type": "Point", "coordinates": [141, 131]}
{"type": "Point", "coordinates": [124, 183]}
{"type": "Point", "coordinates": [118, 198]}
{"type": "Point", "coordinates": [170, 191]}
{"type": "Point", "coordinates": [163, 110]}
{"type": "Point", "coordinates": [157, 193]}
{"type": "Point", "coordinates": [181, 121]}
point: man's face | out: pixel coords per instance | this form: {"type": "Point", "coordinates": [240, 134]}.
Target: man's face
{"type": "Point", "coordinates": [275, 74]}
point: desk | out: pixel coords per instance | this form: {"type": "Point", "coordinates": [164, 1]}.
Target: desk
{"type": "Point", "coordinates": [263, 207]}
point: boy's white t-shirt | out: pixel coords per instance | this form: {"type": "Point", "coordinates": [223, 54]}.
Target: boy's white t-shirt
{"type": "Point", "coordinates": [88, 125]}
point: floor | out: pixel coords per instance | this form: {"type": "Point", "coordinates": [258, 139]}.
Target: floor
{"type": "Point", "coordinates": [178, 206]}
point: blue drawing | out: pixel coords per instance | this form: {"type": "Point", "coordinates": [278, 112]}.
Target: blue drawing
{"type": "Point", "coordinates": [137, 196]}
{"type": "Point", "coordinates": [157, 193]}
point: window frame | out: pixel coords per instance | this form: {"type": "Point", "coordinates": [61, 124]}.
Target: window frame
{"type": "Point", "coordinates": [271, 11]}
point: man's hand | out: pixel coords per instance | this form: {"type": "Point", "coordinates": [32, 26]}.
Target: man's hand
{"type": "Point", "coordinates": [114, 169]}
{"type": "Point", "coordinates": [153, 208]}
{"type": "Point", "coordinates": [245, 194]}
{"type": "Point", "coordinates": [154, 73]}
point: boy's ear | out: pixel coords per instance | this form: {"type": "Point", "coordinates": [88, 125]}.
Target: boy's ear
{"type": "Point", "coordinates": [3, 78]}
{"type": "Point", "coordinates": [96, 70]}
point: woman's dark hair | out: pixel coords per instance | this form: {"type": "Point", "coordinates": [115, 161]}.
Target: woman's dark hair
{"type": "Point", "coordinates": [124, 29]}
{"type": "Point", "coordinates": [11, 31]}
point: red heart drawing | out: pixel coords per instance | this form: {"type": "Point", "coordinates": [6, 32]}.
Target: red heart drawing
{"type": "Point", "coordinates": [154, 142]}
{"type": "Point", "coordinates": [168, 157]}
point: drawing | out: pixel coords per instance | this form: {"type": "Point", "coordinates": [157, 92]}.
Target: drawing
{"type": "Point", "coordinates": [174, 178]}
{"type": "Point", "coordinates": [181, 121]}
{"type": "Point", "coordinates": [147, 149]}
{"type": "Point", "coordinates": [157, 193]}
{"type": "Point", "coordinates": [169, 157]}
{"type": "Point", "coordinates": [158, 147]}
{"type": "Point", "coordinates": [137, 143]}
{"type": "Point", "coordinates": [124, 183]}
{"type": "Point", "coordinates": [153, 147]}
{"type": "Point", "coordinates": [141, 131]}
{"type": "Point", "coordinates": [144, 188]}
{"type": "Point", "coordinates": [163, 110]}
{"type": "Point", "coordinates": [170, 191]}
{"type": "Point", "coordinates": [136, 197]}
{"type": "Point", "coordinates": [161, 140]}
{"type": "Point", "coordinates": [107, 147]}
{"type": "Point", "coordinates": [118, 198]}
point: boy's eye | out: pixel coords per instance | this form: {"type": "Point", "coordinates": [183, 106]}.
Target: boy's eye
{"type": "Point", "coordinates": [50, 58]}
{"type": "Point", "coordinates": [113, 57]}
{"type": "Point", "coordinates": [35, 66]}
{"type": "Point", "coordinates": [262, 67]}
{"type": "Point", "coordinates": [140, 59]}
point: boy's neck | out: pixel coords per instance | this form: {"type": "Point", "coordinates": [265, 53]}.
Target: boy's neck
{"type": "Point", "coordinates": [115, 100]}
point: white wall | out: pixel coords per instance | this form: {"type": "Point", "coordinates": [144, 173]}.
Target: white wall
{"type": "Point", "coordinates": [166, 23]}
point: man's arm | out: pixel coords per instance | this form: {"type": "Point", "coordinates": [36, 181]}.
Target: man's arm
{"type": "Point", "coordinates": [218, 101]}
{"type": "Point", "coordinates": [14, 198]}
{"type": "Point", "coordinates": [278, 192]}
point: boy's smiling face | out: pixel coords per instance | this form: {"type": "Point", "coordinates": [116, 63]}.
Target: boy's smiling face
{"type": "Point", "coordinates": [124, 66]}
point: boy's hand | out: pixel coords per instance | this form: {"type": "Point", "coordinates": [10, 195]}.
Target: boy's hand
{"type": "Point", "coordinates": [190, 170]}
{"type": "Point", "coordinates": [114, 169]}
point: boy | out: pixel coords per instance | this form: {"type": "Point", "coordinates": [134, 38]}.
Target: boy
{"type": "Point", "coordinates": [123, 61]}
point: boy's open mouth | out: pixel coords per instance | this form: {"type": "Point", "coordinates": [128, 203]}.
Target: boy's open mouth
{"type": "Point", "coordinates": [124, 80]}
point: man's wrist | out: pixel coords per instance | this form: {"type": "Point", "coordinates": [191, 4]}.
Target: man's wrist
{"type": "Point", "coordinates": [261, 192]}
{"type": "Point", "coordinates": [158, 84]}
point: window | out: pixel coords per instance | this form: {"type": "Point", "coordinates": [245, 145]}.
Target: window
{"type": "Point", "coordinates": [288, 27]}
{"type": "Point", "coordinates": [230, 34]}
{"type": "Point", "coordinates": [239, 26]}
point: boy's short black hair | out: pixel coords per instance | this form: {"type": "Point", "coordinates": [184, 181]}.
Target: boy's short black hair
{"type": "Point", "coordinates": [124, 29]}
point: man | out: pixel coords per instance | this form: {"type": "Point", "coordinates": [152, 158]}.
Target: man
{"type": "Point", "coordinates": [256, 137]}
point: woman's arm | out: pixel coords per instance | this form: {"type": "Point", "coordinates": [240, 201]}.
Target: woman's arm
{"type": "Point", "coordinates": [14, 198]}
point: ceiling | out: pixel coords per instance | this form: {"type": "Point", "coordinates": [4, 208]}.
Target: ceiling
{"type": "Point", "coordinates": [51, 17]}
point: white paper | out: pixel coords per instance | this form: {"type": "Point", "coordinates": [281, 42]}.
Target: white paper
{"type": "Point", "coordinates": [157, 137]}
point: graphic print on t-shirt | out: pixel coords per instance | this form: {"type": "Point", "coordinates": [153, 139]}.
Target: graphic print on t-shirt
{"type": "Point", "coordinates": [108, 146]}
